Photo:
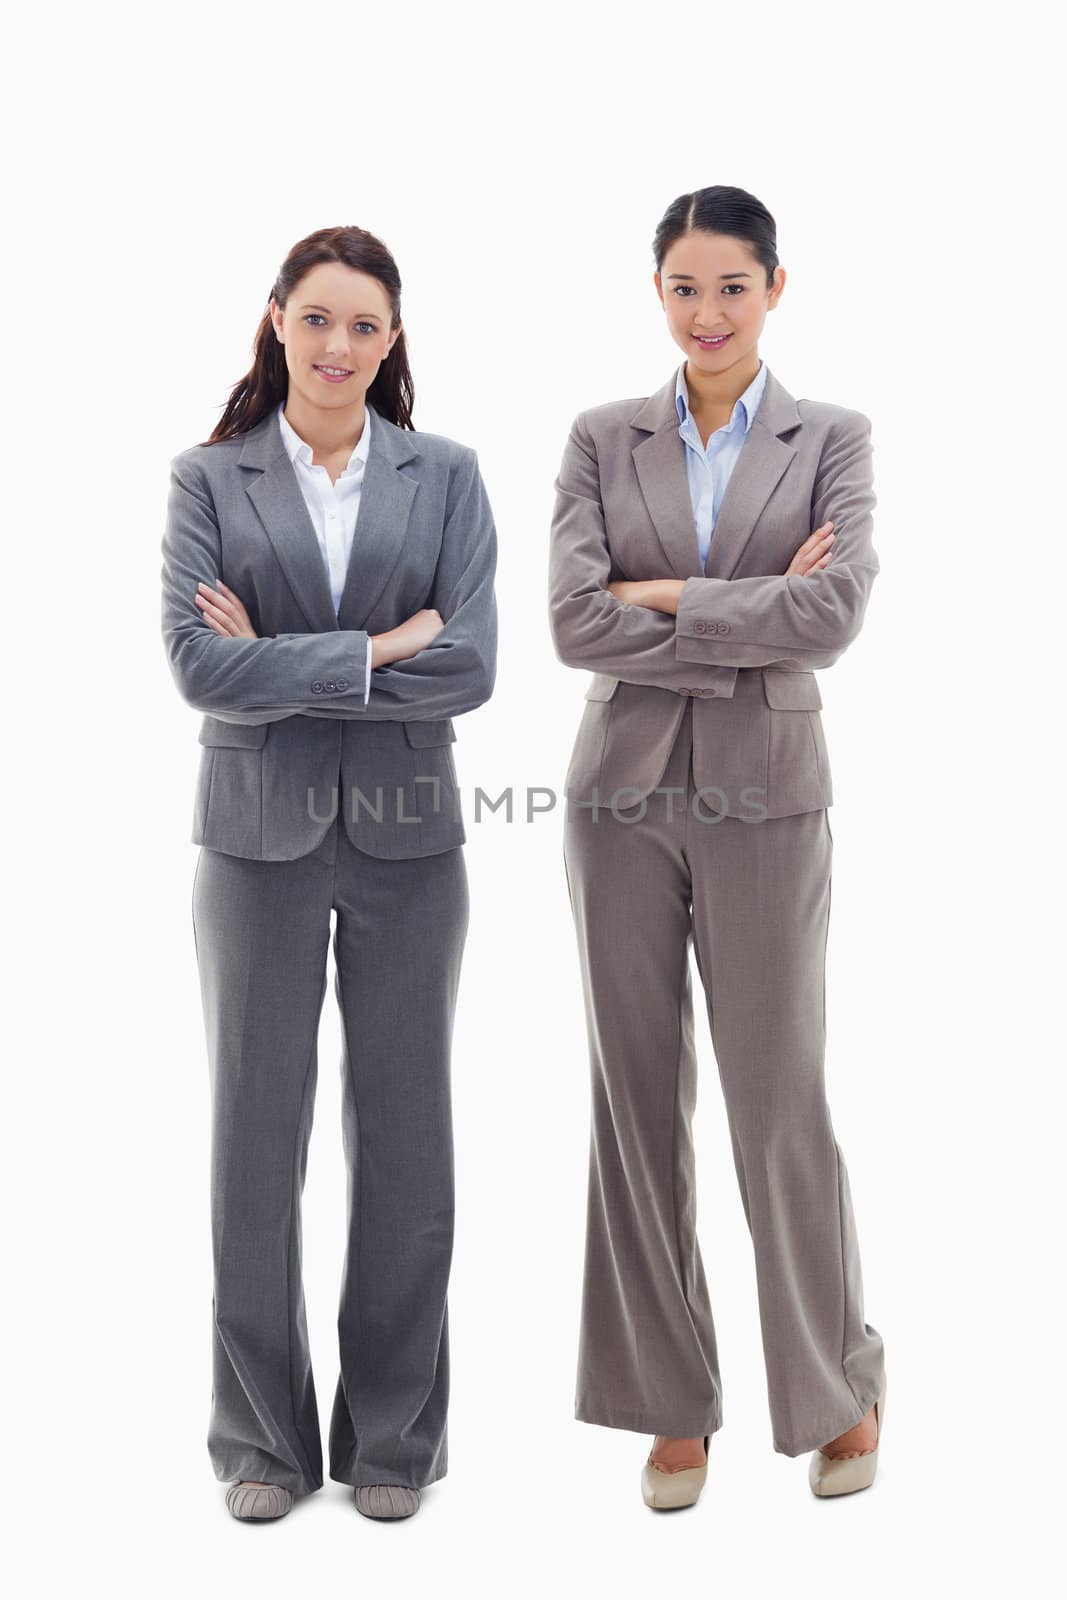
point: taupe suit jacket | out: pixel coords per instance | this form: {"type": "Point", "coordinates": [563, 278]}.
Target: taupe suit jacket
{"type": "Point", "coordinates": [746, 639]}
{"type": "Point", "coordinates": [285, 725]}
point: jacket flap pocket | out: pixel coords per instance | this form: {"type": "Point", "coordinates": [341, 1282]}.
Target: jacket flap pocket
{"type": "Point", "coordinates": [240, 735]}
{"type": "Point", "coordinates": [791, 691]}
{"type": "Point", "coordinates": [602, 687]}
{"type": "Point", "coordinates": [421, 734]}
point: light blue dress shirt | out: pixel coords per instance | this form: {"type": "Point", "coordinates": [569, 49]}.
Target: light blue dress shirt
{"type": "Point", "coordinates": [709, 470]}
{"type": "Point", "coordinates": [332, 507]}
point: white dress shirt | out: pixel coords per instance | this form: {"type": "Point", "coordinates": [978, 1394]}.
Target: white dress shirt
{"type": "Point", "coordinates": [709, 469]}
{"type": "Point", "coordinates": [332, 507]}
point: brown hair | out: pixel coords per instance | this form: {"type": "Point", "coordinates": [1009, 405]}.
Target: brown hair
{"type": "Point", "coordinates": [266, 384]}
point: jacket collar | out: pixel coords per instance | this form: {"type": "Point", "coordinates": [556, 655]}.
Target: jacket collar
{"type": "Point", "coordinates": [381, 523]}
{"type": "Point", "coordinates": [659, 460]}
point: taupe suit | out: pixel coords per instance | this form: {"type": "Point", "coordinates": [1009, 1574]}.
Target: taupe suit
{"type": "Point", "coordinates": [696, 810]}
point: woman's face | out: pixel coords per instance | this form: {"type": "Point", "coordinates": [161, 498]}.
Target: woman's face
{"type": "Point", "coordinates": [335, 318]}
{"type": "Point", "coordinates": [711, 284]}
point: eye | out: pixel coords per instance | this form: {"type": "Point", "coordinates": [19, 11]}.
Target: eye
{"type": "Point", "coordinates": [684, 290]}
{"type": "Point", "coordinates": [316, 317]}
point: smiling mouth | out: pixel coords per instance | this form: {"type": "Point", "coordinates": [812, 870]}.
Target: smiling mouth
{"type": "Point", "coordinates": [332, 372]}
{"type": "Point", "coordinates": [713, 340]}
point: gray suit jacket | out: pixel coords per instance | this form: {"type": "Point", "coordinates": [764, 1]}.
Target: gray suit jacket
{"type": "Point", "coordinates": [746, 638]}
{"type": "Point", "coordinates": [285, 724]}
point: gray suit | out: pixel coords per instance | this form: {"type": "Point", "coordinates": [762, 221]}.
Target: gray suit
{"type": "Point", "coordinates": [696, 813]}
{"type": "Point", "coordinates": [284, 729]}
{"type": "Point", "coordinates": [285, 723]}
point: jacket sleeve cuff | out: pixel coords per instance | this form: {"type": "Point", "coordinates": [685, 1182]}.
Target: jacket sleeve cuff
{"type": "Point", "coordinates": [701, 627]}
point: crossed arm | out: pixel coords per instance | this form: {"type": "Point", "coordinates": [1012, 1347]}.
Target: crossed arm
{"type": "Point", "coordinates": [222, 668]}
{"type": "Point", "coordinates": [661, 633]}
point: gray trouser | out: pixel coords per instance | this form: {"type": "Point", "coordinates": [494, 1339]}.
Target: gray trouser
{"type": "Point", "coordinates": [754, 897]}
{"type": "Point", "coordinates": [262, 932]}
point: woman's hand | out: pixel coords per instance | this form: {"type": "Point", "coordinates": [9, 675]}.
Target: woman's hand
{"type": "Point", "coordinates": [657, 594]}
{"type": "Point", "coordinates": [814, 553]}
{"type": "Point", "coordinates": [406, 640]}
{"type": "Point", "coordinates": [224, 612]}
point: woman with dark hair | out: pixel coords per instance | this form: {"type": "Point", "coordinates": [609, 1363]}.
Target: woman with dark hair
{"type": "Point", "coordinates": [711, 547]}
{"type": "Point", "coordinates": [328, 605]}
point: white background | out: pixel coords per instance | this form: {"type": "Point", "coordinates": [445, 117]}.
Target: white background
{"type": "Point", "coordinates": [160, 166]}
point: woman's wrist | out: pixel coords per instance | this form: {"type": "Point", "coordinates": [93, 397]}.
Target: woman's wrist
{"type": "Point", "coordinates": [668, 594]}
{"type": "Point", "coordinates": [384, 648]}
{"type": "Point", "coordinates": [655, 594]}
{"type": "Point", "coordinates": [658, 594]}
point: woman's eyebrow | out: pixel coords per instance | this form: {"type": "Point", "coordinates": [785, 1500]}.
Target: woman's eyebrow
{"type": "Point", "coordinates": [688, 276]}
{"type": "Point", "coordinates": [329, 313]}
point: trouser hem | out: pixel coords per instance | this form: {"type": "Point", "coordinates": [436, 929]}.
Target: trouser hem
{"type": "Point", "coordinates": [832, 1429]}
{"type": "Point", "coordinates": [364, 1480]}
{"type": "Point", "coordinates": [298, 1487]}
{"type": "Point", "coordinates": [605, 1416]}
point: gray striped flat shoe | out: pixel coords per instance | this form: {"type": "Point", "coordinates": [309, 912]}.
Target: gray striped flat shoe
{"type": "Point", "coordinates": [386, 1501]}
{"type": "Point", "coordinates": [255, 1502]}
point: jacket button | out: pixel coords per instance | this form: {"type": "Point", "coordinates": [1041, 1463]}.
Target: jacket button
{"type": "Point", "coordinates": [702, 627]}
{"type": "Point", "coordinates": [316, 687]}
{"type": "Point", "coordinates": [724, 627]}
{"type": "Point", "coordinates": [711, 691]}
{"type": "Point", "coordinates": [331, 687]}
{"type": "Point", "coordinates": [342, 684]}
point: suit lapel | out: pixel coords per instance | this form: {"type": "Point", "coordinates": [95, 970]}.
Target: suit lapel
{"type": "Point", "coordinates": [381, 523]}
{"type": "Point", "coordinates": [660, 464]}
{"type": "Point", "coordinates": [659, 461]}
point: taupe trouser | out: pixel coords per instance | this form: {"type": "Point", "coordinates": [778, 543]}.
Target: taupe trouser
{"type": "Point", "coordinates": [755, 899]}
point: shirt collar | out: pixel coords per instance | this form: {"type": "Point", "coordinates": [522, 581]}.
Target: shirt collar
{"type": "Point", "coordinates": [299, 450]}
{"type": "Point", "coordinates": [747, 402]}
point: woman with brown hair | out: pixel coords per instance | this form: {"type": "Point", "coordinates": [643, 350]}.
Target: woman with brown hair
{"type": "Point", "coordinates": [328, 605]}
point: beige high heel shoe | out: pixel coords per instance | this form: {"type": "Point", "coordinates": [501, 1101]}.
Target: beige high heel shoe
{"type": "Point", "coordinates": [845, 1474]}
{"type": "Point", "coordinates": [667, 1491]}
